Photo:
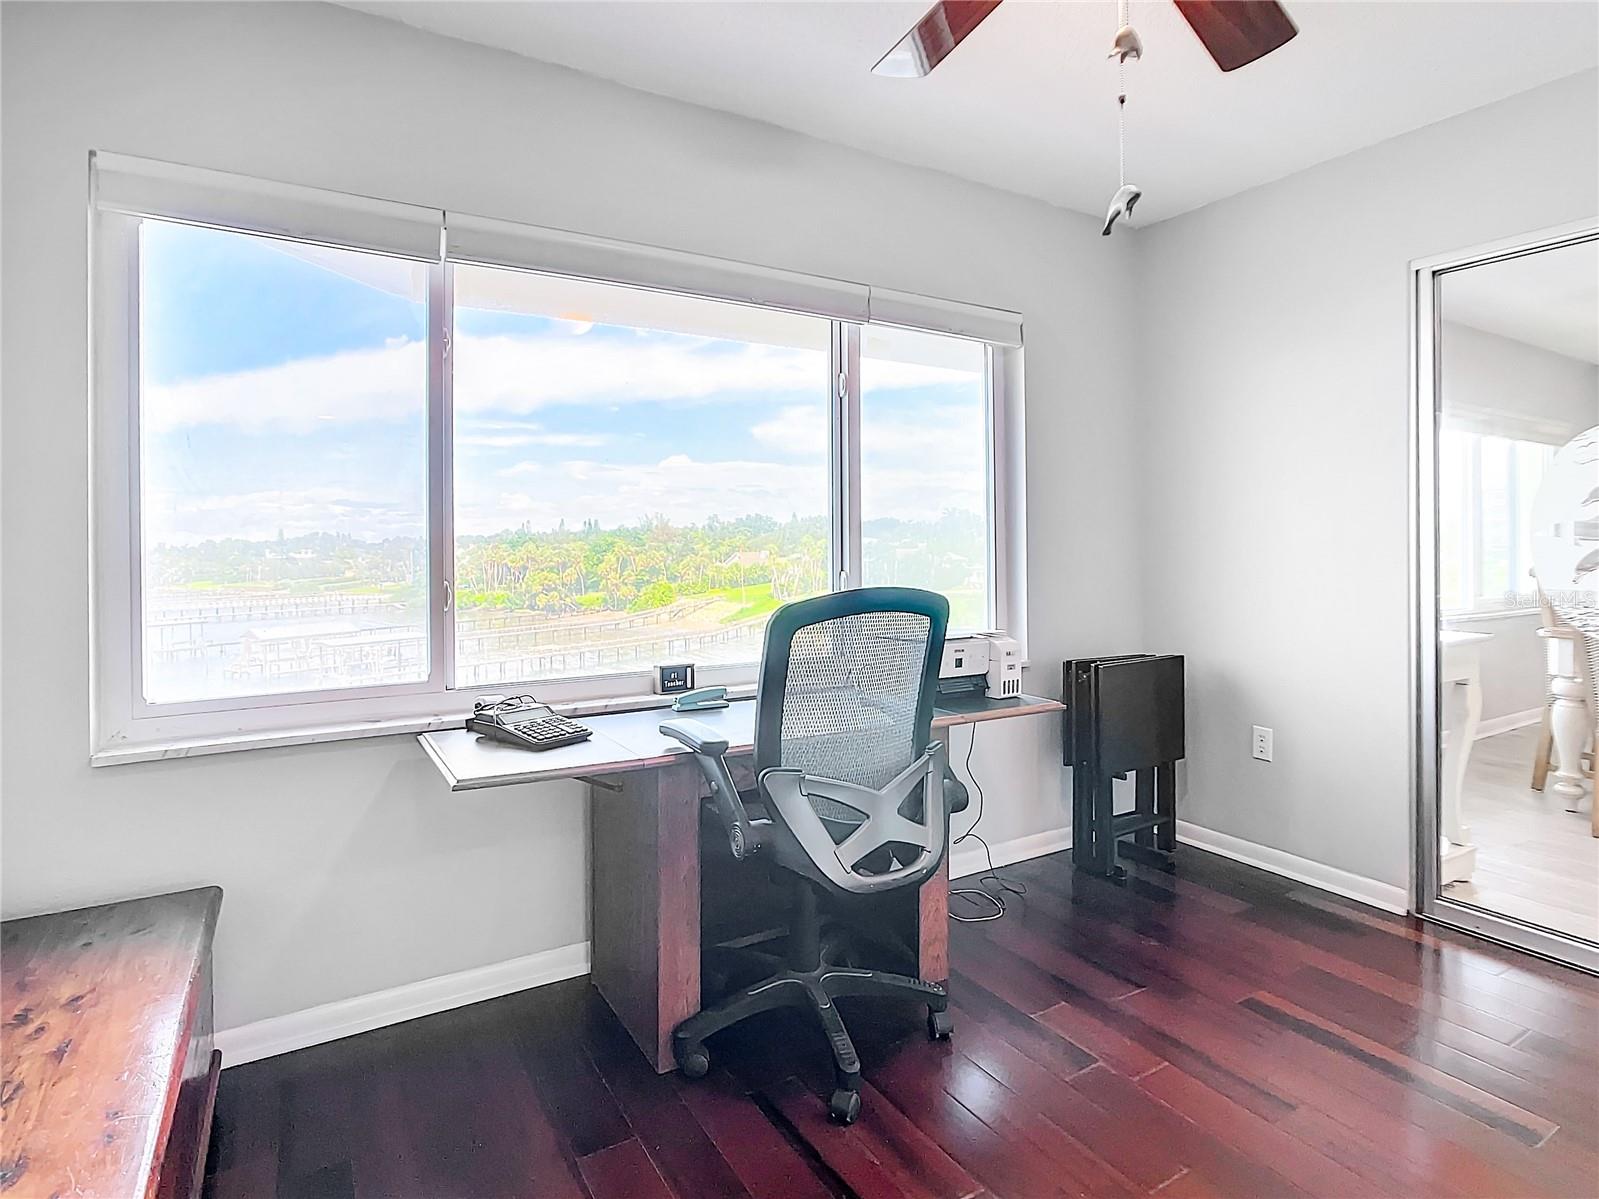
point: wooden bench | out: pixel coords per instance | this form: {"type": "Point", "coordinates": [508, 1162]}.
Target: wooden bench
{"type": "Point", "coordinates": [109, 1075]}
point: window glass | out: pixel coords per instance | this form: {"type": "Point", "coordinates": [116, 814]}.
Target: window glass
{"type": "Point", "coordinates": [639, 477]}
{"type": "Point", "coordinates": [1454, 531]}
{"type": "Point", "coordinates": [282, 466]}
{"type": "Point", "coordinates": [925, 468]}
{"type": "Point", "coordinates": [1486, 488]}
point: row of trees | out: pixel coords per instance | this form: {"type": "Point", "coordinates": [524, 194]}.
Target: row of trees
{"type": "Point", "coordinates": [310, 560]}
{"type": "Point", "coordinates": [647, 565]}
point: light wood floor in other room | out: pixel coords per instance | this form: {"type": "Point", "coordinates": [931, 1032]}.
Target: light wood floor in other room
{"type": "Point", "coordinates": [1535, 860]}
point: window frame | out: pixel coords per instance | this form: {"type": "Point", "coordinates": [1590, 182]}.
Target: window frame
{"type": "Point", "coordinates": [125, 727]}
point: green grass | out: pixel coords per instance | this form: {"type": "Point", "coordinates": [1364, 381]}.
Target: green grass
{"type": "Point", "coordinates": [755, 600]}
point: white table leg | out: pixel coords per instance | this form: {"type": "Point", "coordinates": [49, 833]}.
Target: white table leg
{"type": "Point", "coordinates": [1569, 722]}
{"type": "Point", "coordinates": [1461, 704]}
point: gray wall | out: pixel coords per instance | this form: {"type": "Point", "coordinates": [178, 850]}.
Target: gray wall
{"type": "Point", "coordinates": [348, 868]}
{"type": "Point", "coordinates": [1275, 394]}
{"type": "Point", "coordinates": [1515, 389]}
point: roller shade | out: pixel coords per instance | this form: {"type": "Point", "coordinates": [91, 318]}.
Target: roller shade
{"type": "Point", "coordinates": [149, 188]}
{"type": "Point", "coordinates": [558, 252]}
{"type": "Point", "coordinates": [993, 325]}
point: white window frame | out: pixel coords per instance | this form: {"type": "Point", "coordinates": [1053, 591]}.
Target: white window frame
{"type": "Point", "coordinates": [124, 727]}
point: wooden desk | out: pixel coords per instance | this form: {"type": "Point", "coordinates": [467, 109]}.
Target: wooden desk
{"type": "Point", "coordinates": [106, 1032]}
{"type": "Point", "coordinates": [644, 817]}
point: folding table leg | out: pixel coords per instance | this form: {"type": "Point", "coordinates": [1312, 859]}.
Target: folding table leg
{"type": "Point", "coordinates": [1105, 831]}
{"type": "Point", "coordinates": [1145, 805]}
{"type": "Point", "coordinates": [1166, 805]}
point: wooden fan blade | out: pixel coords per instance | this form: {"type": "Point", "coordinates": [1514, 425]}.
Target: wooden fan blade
{"type": "Point", "coordinates": [1237, 32]}
{"type": "Point", "coordinates": [934, 37]}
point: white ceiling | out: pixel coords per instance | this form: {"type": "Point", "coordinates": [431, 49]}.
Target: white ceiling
{"type": "Point", "coordinates": [1549, 300]}
{"type": "Point", "coordinates": [1027, 102]}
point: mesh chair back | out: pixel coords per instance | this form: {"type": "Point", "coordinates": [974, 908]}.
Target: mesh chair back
{"type": "Point", "coordinates": [846, 690]}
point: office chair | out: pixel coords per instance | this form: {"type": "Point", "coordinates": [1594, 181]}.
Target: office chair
{"type": "Point", "coordinates": [845, 759]}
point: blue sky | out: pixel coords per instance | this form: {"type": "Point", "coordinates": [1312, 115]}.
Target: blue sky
{"type": "Point", "coordinates": [284, 388]}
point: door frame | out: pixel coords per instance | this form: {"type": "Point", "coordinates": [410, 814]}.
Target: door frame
{"type": "Point", "coordinates": [1427, 903]}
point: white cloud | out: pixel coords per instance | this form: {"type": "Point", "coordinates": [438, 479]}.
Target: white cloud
{"type": "Point", "coordinates": [180, 518]}
{"type": "Point", "coordinates": [683, 489]}
{"type": "Point", "coordinates": [948, 435]}
{"type": "Point", "coordinates": [505, 441]}
{"type": "Point", "coordinates": [796, 429]}
{"type": "Point", "coordinates": [687, 491]}
{"type": "Point", "coordinates": [498, 373]}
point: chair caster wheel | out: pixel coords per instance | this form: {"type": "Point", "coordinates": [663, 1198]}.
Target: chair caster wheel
{"type": "Point", "coordinates": [694, 1062]}
{"type": "Point", "coordinates": [844, 1106]}
{"type": "Point", "coordinates": [939, 1025]}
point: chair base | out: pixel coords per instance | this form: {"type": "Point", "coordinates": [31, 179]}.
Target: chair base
{"type": "Point", "coordinates": [815, 989]}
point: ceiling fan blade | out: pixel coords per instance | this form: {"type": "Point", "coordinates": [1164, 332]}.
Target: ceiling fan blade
{"type": "Point", "coordinates": [934, 37]}
{"type": "Point", "coordinates": [1237, 32]}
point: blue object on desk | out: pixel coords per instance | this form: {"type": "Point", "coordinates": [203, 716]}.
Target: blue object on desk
{"type": "Point", "coordinates": [704, 700]}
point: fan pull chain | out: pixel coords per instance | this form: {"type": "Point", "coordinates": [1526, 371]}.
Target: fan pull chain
{"type": "Point", "coordinates": [1121, 124]}
{"type": "Point", "coordinates": [1125, 45]}
{"type": "Point", "coordinates": [1123, 19]}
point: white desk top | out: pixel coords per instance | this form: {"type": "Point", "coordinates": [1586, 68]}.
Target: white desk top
{"type": "Point", "coordinates": [626, 741]}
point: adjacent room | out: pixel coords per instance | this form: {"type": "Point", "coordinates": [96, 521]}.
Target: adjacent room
{"type": "Point", "coordinates": [610, 599]}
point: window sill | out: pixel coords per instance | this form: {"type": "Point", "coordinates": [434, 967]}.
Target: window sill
{"type": "Point", "coordinates": [320, 734]}
{"type": "Point", "coordinates": [1477, 615]}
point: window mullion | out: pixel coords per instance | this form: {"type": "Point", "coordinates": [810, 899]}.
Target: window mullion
{"type": "Point", "coordinates": [996, 501]}
{"type": "Point", "coordinates": [441, 555]}
{"type": "Point", "coordinates": [1474, 508]}
{"type": "Point", "coordinates": [846, 456]}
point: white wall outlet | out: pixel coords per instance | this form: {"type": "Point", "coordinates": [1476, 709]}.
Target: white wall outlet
{"type": "Point", "coordinates": [1262, 744]}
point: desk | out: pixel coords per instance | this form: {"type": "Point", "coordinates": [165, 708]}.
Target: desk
{"type": "Point", "coordinates": [644, 819]}
{"type": "Point", "coordinates": [109, 1070]}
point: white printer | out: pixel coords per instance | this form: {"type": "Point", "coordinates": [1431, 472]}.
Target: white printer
{"type": "Point", "coordinates": [984, 663]}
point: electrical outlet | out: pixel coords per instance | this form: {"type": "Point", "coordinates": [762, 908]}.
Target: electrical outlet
{"type": "Point", "coordinates": [1262, 746]}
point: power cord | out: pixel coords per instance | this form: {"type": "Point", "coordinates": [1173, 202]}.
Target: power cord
{"type": "Point", "coordinates": [991, 875]}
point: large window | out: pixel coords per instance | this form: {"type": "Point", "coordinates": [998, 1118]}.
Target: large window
{"type": "Point", "coordinates": [639, 477]}
{"type": "Point", "coordinates": [926, 469]}
{"type": "Point", "coordinates": [282, 466]}
{"type": "Point", "coordinates": [350, 471]}
{"type": "Point", "coordinates": [1486, 486]}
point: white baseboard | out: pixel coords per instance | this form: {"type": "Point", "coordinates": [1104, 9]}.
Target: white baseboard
{"type": "Point", "coordinates": [969, 858]}
{"type": "Point", "coordinates": [1329, 878]}
{"type": "Point", "coordinates": [362, 1013]}
{"type": "Point", "coordinates": [1508, 723]}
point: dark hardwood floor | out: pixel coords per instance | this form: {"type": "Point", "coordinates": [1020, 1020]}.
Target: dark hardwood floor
{"type": "Point", "coordinates": [1223, 1032]}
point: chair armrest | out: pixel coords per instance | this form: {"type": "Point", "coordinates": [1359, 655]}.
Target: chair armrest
{"type": "Point", "coordinates": [793, 793]}
{"type": "Point", "coordinates": [743, 836]}
{"type": "Point", "coordinates": [955, 794]}
{"type": "Point", "coordinates": [697, 735]}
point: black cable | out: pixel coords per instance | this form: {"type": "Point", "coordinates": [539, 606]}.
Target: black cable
{"type": "Point", "coordinates": [991, 874]}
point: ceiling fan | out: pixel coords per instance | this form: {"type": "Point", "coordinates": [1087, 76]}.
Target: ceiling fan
{"type": "Point", "coordinates": [1235, 32]}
